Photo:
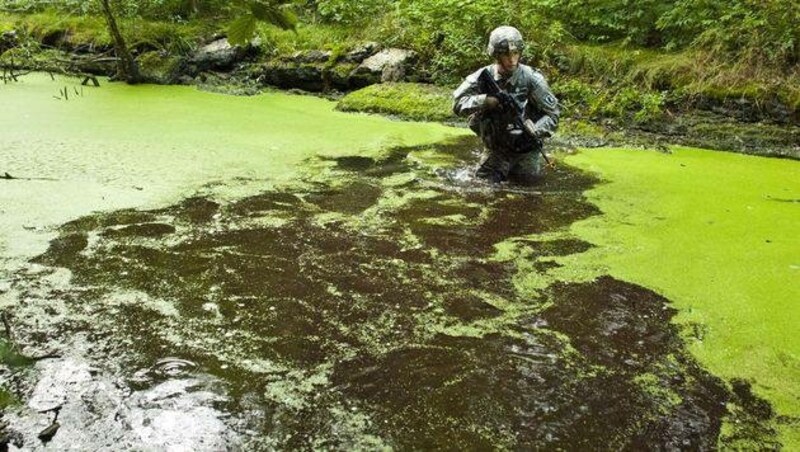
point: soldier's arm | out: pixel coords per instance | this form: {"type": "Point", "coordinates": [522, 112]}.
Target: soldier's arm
{"type": "Point", "coordinates": [467, 99]}
{"type": "Point", "coordinates": [547, 103]}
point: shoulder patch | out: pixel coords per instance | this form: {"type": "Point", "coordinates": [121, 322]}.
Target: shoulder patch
{"type": "Point", "coordinates": [550, 101]}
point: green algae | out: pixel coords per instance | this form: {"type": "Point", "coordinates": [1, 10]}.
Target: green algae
{"type": "Point", "coordinates": [120, 146]}
{"type": "Point", "coordinates": [361, 318]}
{"type": "Point", "coordinates": [179, 119]}
{"type": "Point", "coordinates": [712, 233]}
{"type": "Point", "coordinates": [421, 342]}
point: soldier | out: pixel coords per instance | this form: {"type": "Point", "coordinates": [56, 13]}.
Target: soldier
{"type": "Point", "coordinates": [513, 145]}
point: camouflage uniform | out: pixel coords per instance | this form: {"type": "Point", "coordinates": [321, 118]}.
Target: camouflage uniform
{"type": "Point", "coordinates": [509, 150]}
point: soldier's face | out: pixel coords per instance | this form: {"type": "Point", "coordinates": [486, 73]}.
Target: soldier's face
{"type": "Point", "coordinates": [508, 61]}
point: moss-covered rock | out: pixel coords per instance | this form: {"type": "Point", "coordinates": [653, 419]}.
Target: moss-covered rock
{"type": "Point", "coordinates": [160, 69]}
{"type": "Point", "coordinates": [406, 100]}
{"type": "Point", "coordinates": [315, 77]}
{"type": "Point", "coordinates": [306, 76]}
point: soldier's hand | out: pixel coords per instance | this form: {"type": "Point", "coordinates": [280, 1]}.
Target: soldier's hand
{"type": "Point", "coordinates": [530, 128]}
{"type": "Point", "coordinates": [491, 103]}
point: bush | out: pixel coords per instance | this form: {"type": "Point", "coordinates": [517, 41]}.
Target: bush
{"type": "Point", "coordinates": [348, 12]}
{"type": "Point", "coordinates": [451, 35]}
{"type": "Point", "coordinates": [581, 99]}
{"type": "Point", "coordinates": [633, 22]}
{"type": "Point", "coordinates": [766, 31]}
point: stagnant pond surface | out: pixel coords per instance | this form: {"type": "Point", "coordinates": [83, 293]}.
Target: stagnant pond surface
{"type": "Point", "coordinates": [364, 304]}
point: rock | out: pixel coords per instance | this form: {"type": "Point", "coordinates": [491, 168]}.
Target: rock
{"type": "Point", "coordinates": [338, 76]}
{"type": "Point", "coordinates": [10, 437]}
{"type": "Point", "coordinates": [315, 77]}
{"type": "Point", "coordinates": [362, 52]}
{"type": "Point", "coordinates": [307, 77]}
{"type": "Point", "coordinates": [8, 40]}
{"type": "Point", "coordinates": [312, 56]}
{"type": "Point", "coordinates": [389, 65]}
{"type": "Point", "coordinates": [161, 69]}
{"type": "Point", "coordinates": [60, 381]}
{"type": "Point", "coordinates": [393, 73]}
{"type": "Point", "coordinates": [219, 55]}
{"type": "Point", "coordinates": [186, 80]}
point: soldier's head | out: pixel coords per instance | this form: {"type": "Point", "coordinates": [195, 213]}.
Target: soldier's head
{"type": "Point", "coordinates": [505, 45]}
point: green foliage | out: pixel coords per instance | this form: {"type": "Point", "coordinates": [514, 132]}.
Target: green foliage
{"type": "Point", "coordinates": [569, 127]}
{"type": "Point", "coordinates": [170, 10]}
{"type": "Point", "coordinates": [348, 12]}
{"type": "Point", "coordinates": [7, 23]}
{"type": "Point", "coordinates": [92, 30]}
{"type": "Point", "coordinates": [6, 398]}
{"type": "Point", "coordinates": [278, 42]}
{"type": "Point", "coordinates": [166, 36]}
{"type": "Point", "coordinates": [768, 31]}
{"type": "Point", "coordinates": [73, 29]}
{"type": "Point", "coordinates": [9, 356]}
{"type": "Point", "coordinates": [573, 93]}
{"type": "Point", "coordinates": [581, 99]}
{"type": "Point", "coordinates": [243, 28]}
{"type": "Point", "coordinates": [406, 100]}
{"type": "Point", "coordinates": [608, 20]}
{"type": "Point", "coordinates": [451, 35]}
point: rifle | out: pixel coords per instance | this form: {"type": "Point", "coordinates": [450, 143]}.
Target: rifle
{"type": "Point", "coordinates": [487, 85]}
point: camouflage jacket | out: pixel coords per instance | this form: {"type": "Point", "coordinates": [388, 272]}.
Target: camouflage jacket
{"type": "Point", "coordinates": [528, 87]}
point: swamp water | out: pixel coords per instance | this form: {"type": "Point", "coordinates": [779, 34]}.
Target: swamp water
{"type": "Point", "coordinates": [266, 273]}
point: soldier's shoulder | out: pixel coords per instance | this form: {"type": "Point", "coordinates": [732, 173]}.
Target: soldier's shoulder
{"type": "Point", "coordinates": [532, 74]}
{"type": "Point", "coordinates": [475, 75]}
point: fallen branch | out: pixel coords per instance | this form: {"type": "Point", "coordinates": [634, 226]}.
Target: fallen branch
{"type": "Point", "coordinates": [7, 176]}
{"type": "Point", "coordinates": [7, 326]}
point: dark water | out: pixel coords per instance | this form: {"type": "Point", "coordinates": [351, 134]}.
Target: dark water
{"type": "Point", "coordinates": [355, 313]}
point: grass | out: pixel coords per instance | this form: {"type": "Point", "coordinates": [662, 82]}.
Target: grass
{"type": "Point", "coordinates": [91, 30]}
{"type": "Point", "coordinates": [278, 42]}
{"type": "Point", "coordinates": [685, 75]}
{"type": "Point", "coordinates": [75, 29]}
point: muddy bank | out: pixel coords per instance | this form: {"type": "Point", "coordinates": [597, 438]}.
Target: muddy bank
{"type": "Point", "coordinates": [364, 307]}
{"type": "Point", "coordinates": [705, 130]}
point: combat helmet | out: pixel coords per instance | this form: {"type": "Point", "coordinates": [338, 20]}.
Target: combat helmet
{"type": "Point", "coordinates": [504, 39]}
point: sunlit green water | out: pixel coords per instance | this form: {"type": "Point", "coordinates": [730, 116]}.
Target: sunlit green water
{"type": "Point", "coordinates": [717, 233]}
{"type": "Point", "coordinates": [121, 146]}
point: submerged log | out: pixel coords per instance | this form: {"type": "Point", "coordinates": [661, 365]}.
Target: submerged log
{"type": "Point", "coordinates": [91, 78]}
{"type": "Point", "coordinates": [47, 434]}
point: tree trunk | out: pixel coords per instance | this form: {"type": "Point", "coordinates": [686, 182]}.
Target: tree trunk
{"type": "Point", "coordinates": [127, 69]}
